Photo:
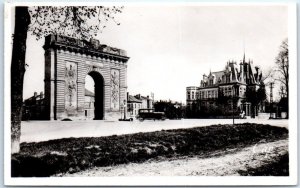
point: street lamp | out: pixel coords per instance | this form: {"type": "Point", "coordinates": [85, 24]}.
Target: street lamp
{"type": "Point", "coordinates": [124, 109]}
{"type": "Point", "coordinates": [176, 112]}
{"type": "Point", "coordinates": [234, 89]}
{"type": "Point", "coordinates": [232, 105]}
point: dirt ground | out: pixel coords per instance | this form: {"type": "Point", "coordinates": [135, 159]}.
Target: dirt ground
{"type": "Point", "coordinates": [221, 165]}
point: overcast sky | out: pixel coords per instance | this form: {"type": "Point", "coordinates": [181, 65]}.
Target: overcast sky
{"type": "Point", "coordinates": [171, 47]}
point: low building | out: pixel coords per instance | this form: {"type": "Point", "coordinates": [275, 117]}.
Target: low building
{"type": "Point", "coordinates": [147, 102]}
{"type": "Point", "coordinates": [89, 104]}
{"type": "Point", "coordinates": [34, 107]}
{"type": "Point", "coordinates": [225, 88]}
{"type": "Point", "coordinates": [133, 106]}
{"type": "Point", "coordinates": [136, 102]}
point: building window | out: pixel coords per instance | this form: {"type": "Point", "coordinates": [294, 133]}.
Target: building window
{"type": "Point", "coordinates": [229, 91]}
{"type": "Point", "coordinates": [188, 95]}
{"type": "Point", "coordinates": [227, 79]}
{"type": "Point", "coordinates": [193, 95]}
{"type": "Point", "coordinates": [211, 82]}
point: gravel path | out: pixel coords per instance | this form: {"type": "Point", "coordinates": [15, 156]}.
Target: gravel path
{"type": "Point", "coordinates": [224, 165]}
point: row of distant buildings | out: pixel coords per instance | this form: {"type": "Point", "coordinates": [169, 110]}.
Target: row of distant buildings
{"type": "Point", "coordinates": [34, 107]}
{"type": "Point", "coordinates": [134, 103]}
{"type": "Point", "coordinates": [229, 84]}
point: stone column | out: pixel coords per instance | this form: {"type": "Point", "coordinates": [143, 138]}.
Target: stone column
{"type": "Point", "coordinates": [50, 89]}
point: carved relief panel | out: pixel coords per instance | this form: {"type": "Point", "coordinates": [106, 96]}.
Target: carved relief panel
{"type": "Point", "coordinates": [71, 86]}
{"type": "Point", "coordinates": [115, 89]}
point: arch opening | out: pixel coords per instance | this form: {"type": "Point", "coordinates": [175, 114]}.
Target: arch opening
{"type": "Point", "coordinates": [94, 96]}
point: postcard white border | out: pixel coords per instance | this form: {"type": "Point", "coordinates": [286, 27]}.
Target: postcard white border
{"type": "Point", "coordinates": [165, 180]}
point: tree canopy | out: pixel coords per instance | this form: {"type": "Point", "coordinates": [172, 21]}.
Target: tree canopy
{"type": "Point", "coordinates": [81, 22]}
{"type": "Point", "coordinates": [282, 67]}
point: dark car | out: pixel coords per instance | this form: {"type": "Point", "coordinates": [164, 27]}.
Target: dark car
{"type": "Point", "coordinates": [149, 113]}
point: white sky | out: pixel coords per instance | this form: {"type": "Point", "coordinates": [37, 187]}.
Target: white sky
{"type": "Point", "coordinates": [171, 47]}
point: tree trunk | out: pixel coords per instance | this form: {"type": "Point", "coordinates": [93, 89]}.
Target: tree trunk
{"type": "Point", "coordinates": [22, 21]}
{"type": "Point", "coordinates": [287, 96]}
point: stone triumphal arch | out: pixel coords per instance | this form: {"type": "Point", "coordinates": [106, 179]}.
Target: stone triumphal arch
{"type": "Point", "coordinates": [67, 63]}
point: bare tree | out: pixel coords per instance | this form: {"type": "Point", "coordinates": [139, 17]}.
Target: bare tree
{"type": "Point", "coordinates": [268, 76]}
{"type": "Point", "coordinates": [282, 67]}
{"type": "Point", "coordinates": [73, 21]}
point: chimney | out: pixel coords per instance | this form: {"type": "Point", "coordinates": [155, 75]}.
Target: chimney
{"type": "Point", "coordinates": [257, 73]}
{"type": "Point", "coordinates": [35, 94]}
{"type": "Point", "coordinates": [247, 71]}
{"type": "Point", "coordinates": [41, 95]}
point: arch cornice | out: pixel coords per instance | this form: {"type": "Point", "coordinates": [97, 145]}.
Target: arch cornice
{"type": "Point", "coordinates": [85, 48]}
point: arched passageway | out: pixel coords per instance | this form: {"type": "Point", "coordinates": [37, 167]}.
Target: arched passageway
{"type": "Point", "coordinates": [94, 97]}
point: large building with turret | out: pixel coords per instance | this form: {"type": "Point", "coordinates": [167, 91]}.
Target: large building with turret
{"type": "Point", "coordinates": [226, 87]}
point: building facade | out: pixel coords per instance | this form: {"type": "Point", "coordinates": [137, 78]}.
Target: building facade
{"type": "Point", "coordinates": [67, 63]}
{"type": "Point", "coordinates": [227, 87]}
{"type": "Point", "coordinates": [134, 103]}
{"type": "Point", "coordinates": [147, 102]}
{"type": "Point", "coordinates": [34, 107]}
{"type": "Point", "coordinates": [133, 106]}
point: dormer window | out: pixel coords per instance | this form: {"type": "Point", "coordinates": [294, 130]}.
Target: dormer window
{"type": "Point", "coordinates": [227, 78]}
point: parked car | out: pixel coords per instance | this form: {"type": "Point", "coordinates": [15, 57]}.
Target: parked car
{"type": "Point", "coordinates": [149, 113]}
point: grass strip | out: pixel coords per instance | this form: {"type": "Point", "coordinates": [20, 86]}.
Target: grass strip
{"type": "Point", "coordinates": [43, 159]}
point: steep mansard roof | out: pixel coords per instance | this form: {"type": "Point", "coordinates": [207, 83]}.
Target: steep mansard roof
{"type": "Point", "coordinates": [243, 73]}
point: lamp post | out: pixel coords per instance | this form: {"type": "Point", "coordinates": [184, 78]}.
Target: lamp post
{"type": "Point", "coordinates": [124, 109]}
{"type": "Point", "coordinates": [121, 110]}
{"type": "Point", "coordinates": [271, 100]}
{"type": "Point", "coordinates": [234, 89]}
{"type": "Point", "coordinates": [176, 112]}
{"type": "Point", "coordinates": [232, 107]}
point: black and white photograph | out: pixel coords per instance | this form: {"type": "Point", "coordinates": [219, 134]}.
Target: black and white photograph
{"type": "Point", "coordinates": [150, 93]}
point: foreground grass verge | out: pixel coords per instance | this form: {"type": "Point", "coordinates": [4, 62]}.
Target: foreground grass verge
{"type": "Point", "coordinates": [43, 159]}
{"type": "Point", "coordinates": [279, 167]}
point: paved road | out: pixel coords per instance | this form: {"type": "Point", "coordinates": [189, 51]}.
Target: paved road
{"type": "Point", "coordinates": [35, 131]}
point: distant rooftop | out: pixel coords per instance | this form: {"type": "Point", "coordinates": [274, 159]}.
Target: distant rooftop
{"type": "Point", "coordinates": [89, 93]}
{"type": "Point", "coordinates": [133, 99]}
